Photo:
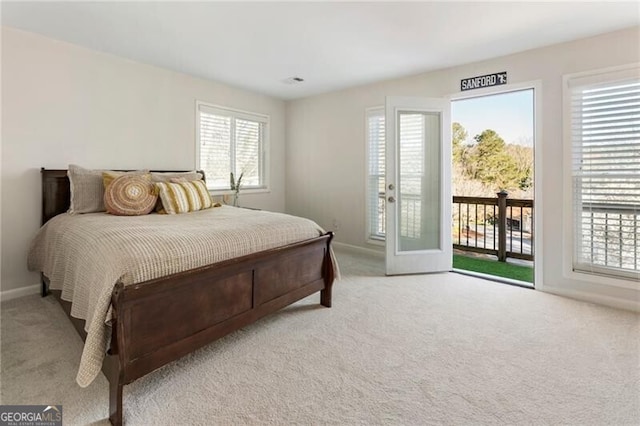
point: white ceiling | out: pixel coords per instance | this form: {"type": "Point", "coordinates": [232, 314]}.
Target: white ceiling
{"type": "Point", "coordinates": [331, 45]}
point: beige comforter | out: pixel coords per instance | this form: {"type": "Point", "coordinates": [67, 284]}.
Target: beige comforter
{"type": "Point", "coordinates": [86, 255]}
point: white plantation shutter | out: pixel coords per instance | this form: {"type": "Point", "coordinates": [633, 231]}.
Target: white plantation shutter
{"type": "Point", "coordinates": [248, 151]}
{"type": "Point", "coordinates": [411, 155]}
{"type": "Point", "coordinates": [231, 141]}
{"type": "Point", "coordinates": [376, 170]}
{"type": "Point", "coordinates": [215, 149]}
{"type": "Point", "coordinates": [605, 138]}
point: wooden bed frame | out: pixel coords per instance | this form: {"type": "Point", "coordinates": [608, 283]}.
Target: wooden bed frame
{"type": "Point", "coordinates": [161, 320]}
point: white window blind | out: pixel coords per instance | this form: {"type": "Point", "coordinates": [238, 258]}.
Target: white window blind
{"type": "Point", "coordinates": [231, 141]}
{"type": "Point", "coordinates": [412, 135]}
{"type": "Point", "coordinates": [375, 190]}
{"type": "Point", "coordinates": [605, 142]}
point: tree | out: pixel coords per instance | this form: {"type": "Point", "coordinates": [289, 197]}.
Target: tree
{"type": "Point", "coordinates": [492, 165]}
{"type": "Point", "coordinates": [522, 157]}
{"type": "Point", "coordinates": [487, 156]}
{"type": "Point", "coordinates": [458, 138]}
{"type": "Point", "coordinates": [489, 164]}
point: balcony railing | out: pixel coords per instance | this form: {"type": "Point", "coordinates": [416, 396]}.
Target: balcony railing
{"type": "Point", "coordinates": [500, 226]}
{"type": "Point", "coordinates": [504, 227]}
{"type": "Point", "coordinates": [609, 236]}
{"type": "Point", "coordinates": [478, 224]}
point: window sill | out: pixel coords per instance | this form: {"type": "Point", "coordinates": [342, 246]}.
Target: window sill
{"type": "Point", "coordinates": [376, 241]}
{"type": "Point", "coordinates": [604, 280]}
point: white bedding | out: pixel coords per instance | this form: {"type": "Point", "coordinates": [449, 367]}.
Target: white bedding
{"type": "Point", "coordinates": [86, 255]}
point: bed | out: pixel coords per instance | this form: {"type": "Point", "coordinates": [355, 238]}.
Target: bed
{"type": "Point", "coordinates": [193, 307]}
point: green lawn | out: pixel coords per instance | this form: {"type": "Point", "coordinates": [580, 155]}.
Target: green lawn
{"type": "Point", "coordinates": [493, 267]}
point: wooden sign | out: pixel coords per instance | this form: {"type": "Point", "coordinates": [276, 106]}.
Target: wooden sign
{"type": "Point", "coordinates": [488, 80]}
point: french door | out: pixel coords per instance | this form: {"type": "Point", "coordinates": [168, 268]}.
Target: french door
{"type": "Point", "coordinates": [418, 185]}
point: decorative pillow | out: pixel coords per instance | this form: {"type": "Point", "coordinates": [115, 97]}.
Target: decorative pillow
{"type": "Point", "coordinates": [109, 176]}
{"type": "Point", "coordinates": [184, 197]}
{"type": "Point", "coordinates": [130, 195]}
{"type": "Point", "coordinates": [175, 177]}
{"type": "Point", "coordinates": [87, 189]}
{"type": "Point", "coordinates": [87, 192]}
{"type": "Point", "coordinates": [169, 176]}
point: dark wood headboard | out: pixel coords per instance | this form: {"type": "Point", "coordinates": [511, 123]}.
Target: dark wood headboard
{"type": "Point", "coordinates": [56, 191]}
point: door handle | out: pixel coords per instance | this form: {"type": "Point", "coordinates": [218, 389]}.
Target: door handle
{"type": "Point", "coordinates": [392, 199]}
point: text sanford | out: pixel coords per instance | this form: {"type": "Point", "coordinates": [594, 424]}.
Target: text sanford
{"type": "Point", "coordinates": [488, 80]}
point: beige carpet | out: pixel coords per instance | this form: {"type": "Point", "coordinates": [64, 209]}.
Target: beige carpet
{"type": "Point", "coordinates": [436, 349]}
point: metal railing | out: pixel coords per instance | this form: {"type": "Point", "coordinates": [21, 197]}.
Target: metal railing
{"type": "Point", "coordinates": [409, 216]}
{"type": "Point", "coordinates": [504, 227]}
{"type": "Point", "coordinates": [500, 226]}
{"type": "Point", "coordinates": [609, 235]}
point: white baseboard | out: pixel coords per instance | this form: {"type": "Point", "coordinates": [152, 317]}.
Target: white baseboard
{"type": "Point", "coordinates": [614, 302]}
{"type": "Point", "coordinates": [357, 249]}
{"type": "Point", "coordinates": [19, 292]}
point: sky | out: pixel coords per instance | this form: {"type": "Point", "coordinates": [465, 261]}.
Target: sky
{"type": "Point", "coordinates": [509, 114]}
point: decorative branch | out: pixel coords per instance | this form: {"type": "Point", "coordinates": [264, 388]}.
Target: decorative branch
{"type": "Point", "coordinates": [235, 186]}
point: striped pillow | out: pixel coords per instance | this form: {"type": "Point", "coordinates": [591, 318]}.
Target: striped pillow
{"type": "Point", "coordinates": [184, 197]}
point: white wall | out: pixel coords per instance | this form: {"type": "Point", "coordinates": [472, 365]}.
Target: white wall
{"type": "Point", "coordinates": [325, 153]}
{"type": "Point", "coordinates": [65, 104]}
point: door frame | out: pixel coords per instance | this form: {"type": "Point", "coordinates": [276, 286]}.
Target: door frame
{"type": "Point", "coordinates": [536, 85]}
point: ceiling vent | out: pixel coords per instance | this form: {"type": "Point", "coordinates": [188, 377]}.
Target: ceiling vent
{"type": "Point", "coordinates": [293, 80]}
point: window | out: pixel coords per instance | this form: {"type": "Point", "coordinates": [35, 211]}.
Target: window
{"type": "Point", "coordinates": [605, 172]}
{"type": "Point", "coordinates": [231, 141]}
{"type": "Point", "coordinates": [375, 174]}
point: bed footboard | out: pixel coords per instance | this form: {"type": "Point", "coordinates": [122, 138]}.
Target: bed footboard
{"type": "Point", "coordinates": [159, 321]}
